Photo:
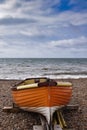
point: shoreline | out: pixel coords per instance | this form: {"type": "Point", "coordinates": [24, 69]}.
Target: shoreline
{"type": "Point", "coordinates": [26, 120]}
{"type": "Point", "coordinates": [20, 79]}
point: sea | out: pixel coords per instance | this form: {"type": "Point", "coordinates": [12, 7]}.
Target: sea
{"type": "Point", "coordinates": [55, 68]}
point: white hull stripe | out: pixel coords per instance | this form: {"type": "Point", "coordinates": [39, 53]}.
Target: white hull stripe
{"type": "Point", "coordinates": [45, 111]}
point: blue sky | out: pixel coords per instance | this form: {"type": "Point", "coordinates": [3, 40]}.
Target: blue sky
{"type": "Point", "coordinates": [43, 28]}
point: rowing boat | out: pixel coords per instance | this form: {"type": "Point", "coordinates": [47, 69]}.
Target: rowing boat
{"type": "Point", "coordinates": [42, 95]}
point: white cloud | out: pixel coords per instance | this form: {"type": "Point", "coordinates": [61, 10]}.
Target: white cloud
{"type": "Point", "coordinates": [69, 43]}
{"type": "Point", "coordinates": [75, 18]}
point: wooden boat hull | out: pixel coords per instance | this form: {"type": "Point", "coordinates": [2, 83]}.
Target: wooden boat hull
{"type": "Point", "coordinates": [44, 100]}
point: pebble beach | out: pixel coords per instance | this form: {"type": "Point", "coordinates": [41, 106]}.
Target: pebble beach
{"type": "Point", "coordinates": [75, 119]}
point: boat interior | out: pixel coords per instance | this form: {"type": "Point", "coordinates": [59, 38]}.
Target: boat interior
{"type": "Point", "coordinates": [39, 82]}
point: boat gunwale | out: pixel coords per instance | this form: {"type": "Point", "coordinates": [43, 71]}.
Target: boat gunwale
{"type": "Point", "coordinates": [15, 89]}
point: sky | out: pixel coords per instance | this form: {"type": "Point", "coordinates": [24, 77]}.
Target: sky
{"type": "Point", "coordinates": [43, 28]}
